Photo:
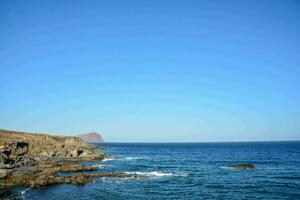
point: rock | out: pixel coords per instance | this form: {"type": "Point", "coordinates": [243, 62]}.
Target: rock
{"type": "Point", "coordinates": [28, 159]}
{"type": "Point", "coordinates": [77, 179]}
{"type": "Point", "coordinates": [13, 154]}
{"type": "Point", "coordinates": [20, 149]}
{"type": "Point", "coordinates": [243, 166]}
{"type": "Point", "coordinates": [4, 173]}
{"type": "Point", "coordinates": [91, 137]}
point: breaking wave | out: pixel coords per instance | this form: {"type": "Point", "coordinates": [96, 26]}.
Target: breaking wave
{"type": "Point", "coordinates": [155, 174]}
{"type": "Point", "coordinates": [130, 158]}
{"type": "Point", "coordinates": [227, 167]}
{"type": "Point", "coordinates": [100, 166]}
{"type": "Point", "coordinates": [122, 159]}
{"type": "Point", "coordinates": [108, 159]}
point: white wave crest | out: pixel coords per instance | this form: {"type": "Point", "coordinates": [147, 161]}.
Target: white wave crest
{"type": "Point", "coordinates": [21, 195]}
{"type": "Point", "coordinates": [130, 158]}
{"type": "Point", "coordinates": [24, 191]}
{"type": "Point", "coordinates": [122, 158]}
{"type": "Point", "coordinates": [107, 159]}
{"type": "Point", "coordinates": [227, 167]}
{"type": "Point", "coordinates": [100, 166]}
{"type": "Point", "coordinates": [155, 174]}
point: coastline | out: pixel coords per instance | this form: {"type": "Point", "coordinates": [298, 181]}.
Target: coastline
{"type": "Point", "coordinates": [35, 160]}
{"type": "Point", "coordinates": [173, 171]}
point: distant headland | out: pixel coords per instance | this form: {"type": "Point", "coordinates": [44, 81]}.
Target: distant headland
{"type": "Point", "coordinates": [92, 137]}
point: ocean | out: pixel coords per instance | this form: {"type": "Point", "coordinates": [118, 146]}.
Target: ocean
{"type": "Point", "coordinates": [188, 171]}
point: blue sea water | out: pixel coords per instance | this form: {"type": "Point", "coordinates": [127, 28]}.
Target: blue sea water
{"type": "Point", "coordinates": [188, 171]}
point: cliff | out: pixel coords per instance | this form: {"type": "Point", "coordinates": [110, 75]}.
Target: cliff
{"type": "Point", "coordinates": [26, 156]}
{"type": "Point", "coordinates": [20, 149]}
{"type": "Point", "coordinates": [91, 137]}
{"type": "Point", "coordinates": [35, 160]}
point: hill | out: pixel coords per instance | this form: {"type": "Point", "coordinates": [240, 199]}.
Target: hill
{"type": "Point", "coordinates": [91, 137]}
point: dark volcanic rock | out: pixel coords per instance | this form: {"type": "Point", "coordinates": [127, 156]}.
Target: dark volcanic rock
{"type": "Point", "coordinates": [243, 166]}
{"type": "Point", "coordinates": [91, 137]}
{"type": "Point", "coordinates": [13, 154]}
{"type": "Point", "coordinates": [77, 179]}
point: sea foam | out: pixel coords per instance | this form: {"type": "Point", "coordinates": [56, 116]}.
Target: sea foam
{"type": "Point", "coordinates": [155, 174]}
{"type": "Point", "coordinates": [107, 159]}
{"type": "Point", "coordinates": [122, 158]}
{"type": "Point", "coordinates": [100, 166]}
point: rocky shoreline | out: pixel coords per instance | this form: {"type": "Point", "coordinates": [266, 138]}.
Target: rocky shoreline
{"type": "Point", "coordinates": [35, 160]}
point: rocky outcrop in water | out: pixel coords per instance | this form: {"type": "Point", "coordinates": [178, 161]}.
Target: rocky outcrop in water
{"type": "Point", "coordinates": [243, 166]}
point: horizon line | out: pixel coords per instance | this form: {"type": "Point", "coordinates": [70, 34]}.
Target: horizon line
{"type": "Point", "coordinates": [241, 141]}
{"type": "Point", "coordinates": [228, 141]}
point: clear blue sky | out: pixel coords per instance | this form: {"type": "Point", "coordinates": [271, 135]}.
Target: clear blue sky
{"type": "Point", "coordinates": [152, 70]}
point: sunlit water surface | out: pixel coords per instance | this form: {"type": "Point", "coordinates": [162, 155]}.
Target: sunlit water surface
{"type": "Point", "coordinates": [188, 171]}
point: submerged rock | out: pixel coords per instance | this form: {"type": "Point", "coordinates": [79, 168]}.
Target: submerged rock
{"type": "Point", "coordinates": [243, 166]}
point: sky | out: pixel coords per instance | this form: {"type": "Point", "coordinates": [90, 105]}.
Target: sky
{"type": "Point", "coordinates": [152, 71]}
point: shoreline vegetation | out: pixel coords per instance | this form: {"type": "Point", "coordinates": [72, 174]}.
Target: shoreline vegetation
{"type": "Point", "coordinates": [35, 160]}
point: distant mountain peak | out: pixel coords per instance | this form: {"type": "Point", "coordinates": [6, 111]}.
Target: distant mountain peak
{"type": "Point", "coordinates": [91, 137]}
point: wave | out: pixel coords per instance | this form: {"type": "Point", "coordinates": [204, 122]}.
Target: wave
{"type": "Point", "coordinates": [100, 166]}
{"type": "Point", "coordinates": [107, 159]}
{"type": "Point", "coordinates": [130, 158]}
{"type": "Point", "coordinates": [23, 193]}
{"type": "Point", "coordinates": [155, 174]}
{"type": "Point", "coordinates": [113, 180]}
{"type": "Point", "coordinates": [122, 159]}
{"type": "Point", "coordinates": [233, 168]}
{"type": "Point", "coordinates": [288, 177]}
{"type": "Point", "coordinates": [227, 167]}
